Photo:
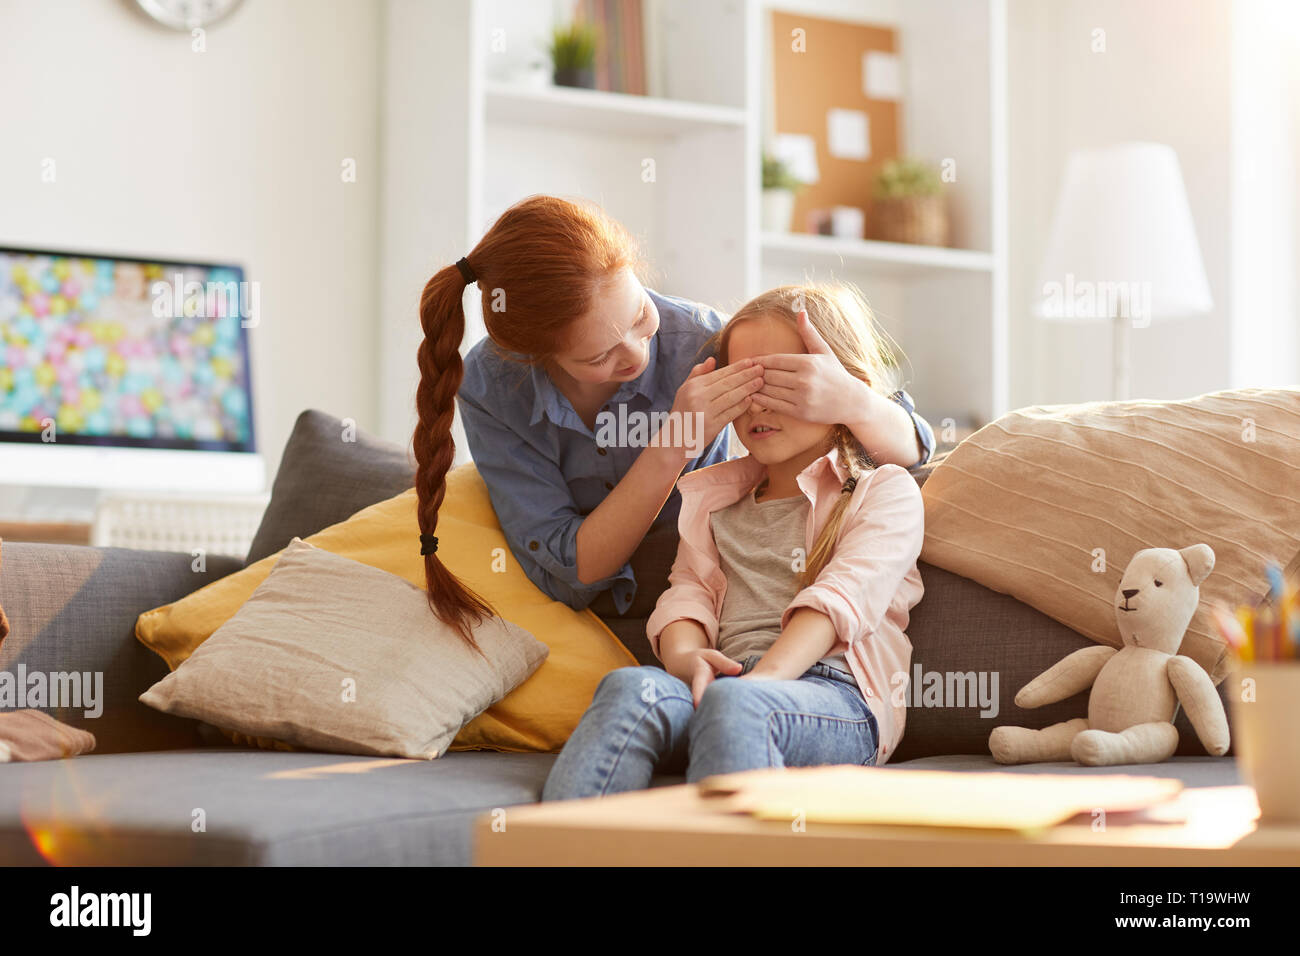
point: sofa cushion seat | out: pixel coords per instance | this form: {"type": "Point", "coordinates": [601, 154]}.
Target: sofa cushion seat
{"type": "Point", "coordinates": [260, 808]}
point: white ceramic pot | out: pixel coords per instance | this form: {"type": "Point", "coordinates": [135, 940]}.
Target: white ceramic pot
{"type": "Point", "coordinates": [778, 210]}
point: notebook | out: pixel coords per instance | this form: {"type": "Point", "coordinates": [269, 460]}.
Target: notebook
{"type": "Point", "coordinates": [881, 795]}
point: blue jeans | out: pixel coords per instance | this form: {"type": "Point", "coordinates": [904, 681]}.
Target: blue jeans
{"type": "Point", "coordinates": [643, 721]}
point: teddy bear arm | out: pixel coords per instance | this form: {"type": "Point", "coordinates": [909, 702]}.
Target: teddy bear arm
{"type": "Point", "coordinates": [1071, 674]}
{"type": "Point", "coordinates": [1201, 701]}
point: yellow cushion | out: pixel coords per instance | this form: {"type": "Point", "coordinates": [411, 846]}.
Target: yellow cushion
{"type": "Point", "coordinates": [540, 714]}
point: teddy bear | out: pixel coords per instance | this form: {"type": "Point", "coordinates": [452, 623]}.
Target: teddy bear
{"type": "Point", "coordinates": [1137, 688]}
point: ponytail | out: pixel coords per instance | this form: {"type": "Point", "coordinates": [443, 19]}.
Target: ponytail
{"type": "Point", "coordinates": [441, 369]}
{"type": "Point", "coordinates": [855, 460]}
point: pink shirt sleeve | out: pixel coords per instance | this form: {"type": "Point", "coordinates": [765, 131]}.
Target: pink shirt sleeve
{"type": "Point", "coordinates": [688, 597]}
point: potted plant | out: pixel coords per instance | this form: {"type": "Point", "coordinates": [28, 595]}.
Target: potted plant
{"type": "Point", "coordinates": [573, 55]}
{"type": "Point", "coordinates": [779, 188]}
{"type": "Point", "coordinates": [908, 204]}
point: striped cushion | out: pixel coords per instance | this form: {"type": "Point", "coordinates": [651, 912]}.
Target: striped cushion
{"type": "Point", "coordinates": [1049, 503]}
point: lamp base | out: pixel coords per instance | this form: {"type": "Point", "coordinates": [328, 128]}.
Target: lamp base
{"type": "Point", "coordinates": [1120, 361]}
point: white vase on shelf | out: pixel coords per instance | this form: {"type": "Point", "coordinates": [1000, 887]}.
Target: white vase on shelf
{"type": "Point", "coordinates": [778, 210]}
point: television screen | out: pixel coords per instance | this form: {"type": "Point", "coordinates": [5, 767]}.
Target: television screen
{"type": "Point", "coordinates": [99, 350]}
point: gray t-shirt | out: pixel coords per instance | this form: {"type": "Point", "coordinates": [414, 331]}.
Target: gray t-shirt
{"type": "Point", "coordinates": [759, 544]}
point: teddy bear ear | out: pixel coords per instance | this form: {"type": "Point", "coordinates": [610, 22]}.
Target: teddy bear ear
{"type": "Point", "coordinates": [1200, 562]}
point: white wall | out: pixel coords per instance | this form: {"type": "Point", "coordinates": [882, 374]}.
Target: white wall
{"type": "Point", "coordinates": [1164, 77]}
{"type": "Point", "coordinates": [429, 195]}
{"type": "Point", "coordinates": [1266, 201]}
{"type": "Point", "coordinates": [233, 154]}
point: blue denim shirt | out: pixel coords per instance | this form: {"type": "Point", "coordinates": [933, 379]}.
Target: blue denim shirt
{"type": "Point", "coordinates": [543, 467]}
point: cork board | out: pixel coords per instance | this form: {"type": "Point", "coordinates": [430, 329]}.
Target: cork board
{"type": "Point", "coordinates": [827, 76]}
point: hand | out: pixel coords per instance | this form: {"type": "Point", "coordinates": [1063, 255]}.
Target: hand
{"type": "Point", "coordinates": [814, 387]}
{"type": "Point", "coordinates": [707, 666]}
{"type": "Point", "coordinates": [718, 394]}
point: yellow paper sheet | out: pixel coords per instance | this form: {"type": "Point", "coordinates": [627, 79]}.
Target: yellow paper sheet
{"type": "Point", "coordinates": [880, 795]}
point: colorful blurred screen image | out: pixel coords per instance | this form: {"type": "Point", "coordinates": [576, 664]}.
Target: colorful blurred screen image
{"type": "Point", "coordinates": [129, 352]}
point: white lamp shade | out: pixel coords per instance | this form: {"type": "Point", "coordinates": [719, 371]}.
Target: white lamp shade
{"type": "Point", "coordinates": [1122, 236]}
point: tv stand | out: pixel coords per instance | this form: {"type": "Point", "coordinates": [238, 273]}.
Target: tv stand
{"type": "Point", "coordinates": [45, 504]}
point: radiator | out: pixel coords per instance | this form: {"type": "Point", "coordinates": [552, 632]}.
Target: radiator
{"type": "Point", "coordinates": [212, 525]}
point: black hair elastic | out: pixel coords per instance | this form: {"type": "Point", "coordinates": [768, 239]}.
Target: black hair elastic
{"type": "Point", "coordinates": [428, 544]}
{"type": "Point", "coordinates": [466, 272]}
{"type": "Point", "coordinates": [850, 483]}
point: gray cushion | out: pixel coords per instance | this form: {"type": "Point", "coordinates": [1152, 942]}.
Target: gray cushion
{"type": "Point", "coordinates": [324, 479]}
{"type": "Point", "coordinates": [960, 627]}
{"type": "Point", "coordinates": [262, 808]}
{"type": "Point", "coordinates": [74, 608]}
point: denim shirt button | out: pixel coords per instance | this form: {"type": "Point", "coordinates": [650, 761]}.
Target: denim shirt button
{"type": "Point", "coordinates": [601, 451]}
{"type": "Point", "coordinates": [532, 545]}
{"type": "Point", "coordinates": [609, 486]}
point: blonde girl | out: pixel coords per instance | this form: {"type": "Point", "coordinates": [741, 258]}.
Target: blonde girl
{"type": "Point", "coordinates": [789, 599]}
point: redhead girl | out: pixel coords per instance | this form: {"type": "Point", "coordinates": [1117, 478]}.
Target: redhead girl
{"type": "Point", "coordinates": [790, 595]}
{"type": "Point", "coordinates": [572, 333]}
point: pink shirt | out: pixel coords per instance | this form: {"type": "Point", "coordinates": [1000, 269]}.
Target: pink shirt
{"type": "Point", "coordinates": [867, 589]}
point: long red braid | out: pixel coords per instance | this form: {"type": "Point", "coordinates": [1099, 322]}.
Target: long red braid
{"type": "Point", "coordinates": [539, 267]}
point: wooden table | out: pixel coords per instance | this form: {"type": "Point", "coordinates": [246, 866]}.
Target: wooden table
{"type": "Point", "coordinates": [676, 826]}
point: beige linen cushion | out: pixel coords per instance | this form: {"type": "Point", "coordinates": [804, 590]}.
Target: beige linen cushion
{"type": "Point", "coordinates": [1030, 504]}
{"type": "Point", "coordinates": [335, 655]}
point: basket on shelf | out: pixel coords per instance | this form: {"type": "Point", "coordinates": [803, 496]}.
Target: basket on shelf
{"type": "Point", "coordinates": [909, 205]}
{"type": "Point", "coordinates": [922, 220]}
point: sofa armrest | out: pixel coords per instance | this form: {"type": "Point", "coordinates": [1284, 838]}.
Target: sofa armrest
{"type": "Point", "coordinates": [72, 609]}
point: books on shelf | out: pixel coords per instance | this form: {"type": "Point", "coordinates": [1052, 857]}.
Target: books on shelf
{"type": "Point", "coordinates": [620, 50]}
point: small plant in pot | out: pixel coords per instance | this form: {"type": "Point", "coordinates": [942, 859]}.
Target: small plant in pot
{"type": "Point", "coordinates": [779, 188]}
{"type": "Point", "coordinates": [908, 204]}
{"type": "Point", "coordinates": [573, 55]}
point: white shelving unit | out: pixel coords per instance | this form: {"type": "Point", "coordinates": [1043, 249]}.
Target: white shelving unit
{"type": "Point", "coordinates": [884, 259]}
{"type": "Point", "coordinates": [610, 114]}
{"type": "Point", "coordinates": [463, 140]}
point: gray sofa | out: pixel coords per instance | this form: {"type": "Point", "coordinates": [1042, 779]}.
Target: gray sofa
{"type": "Point", "coordinates": [161, 790]}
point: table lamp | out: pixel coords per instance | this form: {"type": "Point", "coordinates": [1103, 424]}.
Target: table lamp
{"type": "Point", "coordinates": [1122, 247]}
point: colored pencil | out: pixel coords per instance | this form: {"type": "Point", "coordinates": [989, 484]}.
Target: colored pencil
{"type": "Point", "coordinates": [1269, 629]}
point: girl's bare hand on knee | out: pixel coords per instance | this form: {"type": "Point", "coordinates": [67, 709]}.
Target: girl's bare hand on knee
{"type": "Point", "coordinates": [709, 665]}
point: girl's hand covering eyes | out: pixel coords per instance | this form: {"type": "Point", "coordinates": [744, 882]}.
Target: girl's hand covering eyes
{"type": "Point", "coordinates": [718, 394]}
{"type": "Point", "coordinates": [814, 387]}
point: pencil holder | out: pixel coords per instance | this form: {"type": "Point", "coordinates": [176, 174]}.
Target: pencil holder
{"type": "Point", "coordinates": [1264, 705]}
